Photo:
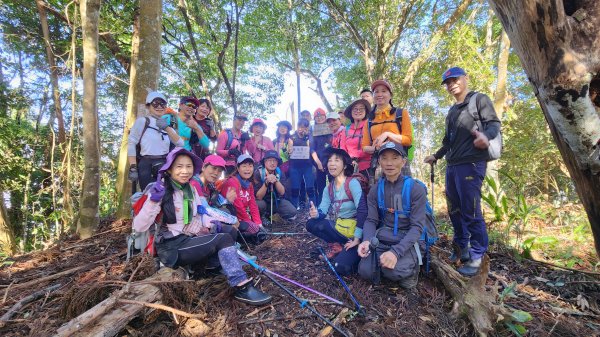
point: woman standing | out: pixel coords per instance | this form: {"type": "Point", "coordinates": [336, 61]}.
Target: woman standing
{"type": "Point", "coordinates": [387, 123]}
{"type": "Point", "coordinates": [283, 143]}
{"type": "Point", "coordinates": [356, 113]}
{"type": "Point", "coordinates": [207, 125]}
{"type": "Point", "coordinates": [185, 237]}
{"type": "Point", "coordinates": [258, 143]}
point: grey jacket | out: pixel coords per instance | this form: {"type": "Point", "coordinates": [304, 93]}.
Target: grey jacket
{"type": "Point", "coordinates": [409, 229]}
{"type": "Point", "coordinates": [457, 145]}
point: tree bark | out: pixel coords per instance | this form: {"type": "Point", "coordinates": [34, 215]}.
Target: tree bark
{"type": "Point", "coordinates": [143, 77]}
{"type": "Point", "coordinates": [7, 236]}
{"type": "Point", "coordinates": [558, 43]}
{"type": "Point", "coordinates": [88, 212]}
{"type": "Point", "coordinates": [53, 70]}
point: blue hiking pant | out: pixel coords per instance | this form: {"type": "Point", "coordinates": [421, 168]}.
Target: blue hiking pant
{"type": "Point", "coordinates": [463, 193]}
{"type": "Point", "coordinates": [346, 262]}
{"type": "Point", "coordinates": [300, 173]}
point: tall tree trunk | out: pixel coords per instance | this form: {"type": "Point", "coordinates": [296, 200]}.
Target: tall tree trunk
{"type": "Point", "coordinates": [3, 97]}
{"type": "Point", "coordinates": [7, 235]}
{"type": "Point", "coordinates": [88, 211]}
{"type": "Point", "coordinates": [558, 43]}
{"type": "Point", "coordinates": [500, 94]}
{"type": "Point", "coordinates": [53, 70]}
{"type": "Point", "coordinates": [143, 77]}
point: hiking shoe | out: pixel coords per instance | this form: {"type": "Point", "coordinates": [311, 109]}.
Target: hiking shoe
{"type": "Point", "coordinates": [333, 249]}
{"type": "Point", "coordinates": [464, 255]}
{"type": "Point", "coordinates": [248, 294]}
{"type": "Point", "coordinates": [470, 268]}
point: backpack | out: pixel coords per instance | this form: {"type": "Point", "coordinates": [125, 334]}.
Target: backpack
{"type": "Point", "coordinates": [398, 121]}
{"type": "Point", "coordinates": [364, 185]}
{"type": "Point", "coordinates": [495, 148]}
{"type": "Point", "coordinates": [138, 146]}
{"type": "Point", "coordinates": [142, 241]}
{"type": "Point", "coordinates": [430, 232]}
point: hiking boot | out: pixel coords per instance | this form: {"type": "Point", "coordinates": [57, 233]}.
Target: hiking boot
{"type": "Point", "coordinates": [464, 255]}
{"type": "Point", "coordinates": [333, 249]}
{"type": "Point", "coordinates": [470, 268]}
{"type": "Point", "coordinates": [248, 294]}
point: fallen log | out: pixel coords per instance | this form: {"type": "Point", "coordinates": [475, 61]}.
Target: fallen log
{"type": "Point", "coordinates": [17, 306]}
{"type": "Point", "coordinates": [470, 297]}
{"type": "Point", "coordinates": [107, 318]}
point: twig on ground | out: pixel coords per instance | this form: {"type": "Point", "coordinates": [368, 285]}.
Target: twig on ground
{"type": "Point", "coordinates": [17, 306]}
{"type": "Point", "coordinates": [279, 318]}
{"type": "Point", "coordinates": [6, 292]}
{"type": "Point", "coordinates": [565, 268]}
{"type": "Point", "coordinates": [162, 307]}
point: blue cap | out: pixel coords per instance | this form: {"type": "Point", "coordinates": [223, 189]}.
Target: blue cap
{"type": "Point", "coordinates": [244, 157]}
{"type": "Point", "coordinates": [452, 73]}
{"type": "Point", "coordinates": [394, 147]}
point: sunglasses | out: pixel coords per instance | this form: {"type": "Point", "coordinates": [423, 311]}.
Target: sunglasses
{"type": "Point", "coordinates": [157, 104]}
{"type": "Point", "coordinates": [191, 105]}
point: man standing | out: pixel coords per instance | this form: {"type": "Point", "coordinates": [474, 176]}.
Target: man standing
{"type": "Point", "coordinates": [465, 148]}
{"type": "Point", "coordinates": [367, 94]}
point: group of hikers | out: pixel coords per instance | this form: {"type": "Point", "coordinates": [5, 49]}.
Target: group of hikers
{"type": "Point", "coordinates": [349, 169]}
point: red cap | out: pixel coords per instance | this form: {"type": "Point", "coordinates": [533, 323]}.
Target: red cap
{"type": "Point", "coordinates": [319, 111]}
{"type": "Point", "coordinates": [257, 121]}
{"type": "Point", "coordinates": [382, 82]}
{"type": "Point", "coordinates": [214, 160]}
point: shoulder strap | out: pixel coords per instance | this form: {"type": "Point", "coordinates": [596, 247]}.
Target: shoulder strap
{"type": "Point", "coordinates": [278, 173]}
{"type": "Point", "coordinates": [474, 112]}
{"type": "Point", "coordinates": [399, 118]}
{"type": "Point", "coordinates": [263, 174]}
{"type": "Point", "coordinates": [330, 190]}
{"type": "Point", "coordinates": [229, 139]}
{"type": "Point", "coordinates": [146, 124]}
{"type": "Point", "coordinates": [406, 190]}
{"type": "Point", "coordinates": [381, 198]}
{"type": "Point", "coordinates": [369, 125]}
{"type": "Point", "coordinates": [347, 187]}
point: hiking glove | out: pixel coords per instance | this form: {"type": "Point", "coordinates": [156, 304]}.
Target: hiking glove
{"type": "Point", "coordinates": [157, 191]}
{"type": "Point", "coordinates": [161, 124]}
{"type": "Point", "coordinates": [133, 173]}
{"type": "Point", "coordinates": [234, 152]}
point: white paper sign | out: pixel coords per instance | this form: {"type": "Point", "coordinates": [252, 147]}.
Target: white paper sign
{"type": "Point", "coordinates": [300, 152]}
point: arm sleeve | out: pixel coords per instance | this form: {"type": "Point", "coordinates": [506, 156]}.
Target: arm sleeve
{"type": "Point", "coordinates": [145, 218]}
{"type": "Point", "coordinates": [366, 139]}
{"type": "Point", "coordinates": [311, 144]}
{"type": "Point", "coordinates": [417, 221]}
{"type": "Point", "coordinates": [251, 147]}
{"type": "Point", "coordinates": [204, 141]}
{"type": "Point", "coordinates": [445, 144]}
{"type": "Point", "coordinates": [370, 225]}
{"type": "Point", "coordinates": [135, 135]}
{"type": "Point", "coordinates": [407, 130]}
{"type": "Point", "coordinates": [325, 201]}
{"type": "Point", "coordinates": [361, 216]}
{"type": "Point", "coordinates": [489, 119]}
{"type": "Point", "coordinates": [221, 142]}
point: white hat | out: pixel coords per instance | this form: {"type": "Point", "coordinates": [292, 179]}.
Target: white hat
{"type": "Point", "coordinates": [333, 115]}
{"type": "Point", "coordinates": [152, 95]}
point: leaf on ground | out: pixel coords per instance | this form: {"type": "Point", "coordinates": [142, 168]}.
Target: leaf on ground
{"type": "Point", "coordinates": [521, 316]}
{"type": "Point", "coordinates": [582, 302]}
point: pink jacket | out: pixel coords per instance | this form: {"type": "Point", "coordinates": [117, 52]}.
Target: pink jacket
{"type": "Point", "coordinates": [354, 146]}
{"type": "Point", "coordinates": [222, 141]}
{"type": "Point", "coordinates": [245, 203]}
{"type": "Point", "coordinates": [199, 224]}
{"type": "Point", "coordinates": [256, 153]}
{"type": "Point", "coordinates": [338, 139]}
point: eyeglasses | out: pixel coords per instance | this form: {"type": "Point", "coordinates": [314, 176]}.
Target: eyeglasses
{"type": "Point", "coordinates": [157, 104]}
{"type": "Point", "coordinates": [191, 105]}
{"type": "Point", "coordinates": [359, 109]}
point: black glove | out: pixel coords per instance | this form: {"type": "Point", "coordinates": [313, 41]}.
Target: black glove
{"type": "Point", "coordinates": [234, 152]}
{"type": "Point", "coordinates": [161, 124]}
{"type": "Point", "coordinates": [244, 137]}
{"type": "Point", "coordinates": [133, 173]}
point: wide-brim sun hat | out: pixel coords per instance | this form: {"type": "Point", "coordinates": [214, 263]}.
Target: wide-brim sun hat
{"type": "Point", "coordinates": [286, 124]}
{"type": "Point", "coordinates": [348, 111]}
{"type": "Point", "coordinates": [271, 154]}
{"type": "Point", "coordinates": [176, 152]}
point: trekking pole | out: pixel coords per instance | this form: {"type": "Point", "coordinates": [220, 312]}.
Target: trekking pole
{"type": "Point", "coordinates": [359, 308]}
{"type": "Point", "coordinates": [271, 219]}
{"type": "Point", "coordinates": [432, 178]}
{"type": "Point", "coordinates": [303, 303]}
{"type": "Point", "coordinates": [285, 233]}
{"type": "Point", "coordinates": [375, 270]}
{"type": "Point", "coordinates": [245, 257]}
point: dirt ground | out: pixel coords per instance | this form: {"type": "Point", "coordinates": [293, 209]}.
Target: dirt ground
{"type": "Point", "coordinates": [561, 302]}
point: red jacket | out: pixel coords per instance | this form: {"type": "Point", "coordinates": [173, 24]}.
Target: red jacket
{"type": "Point", "coordinates": [245, 203]}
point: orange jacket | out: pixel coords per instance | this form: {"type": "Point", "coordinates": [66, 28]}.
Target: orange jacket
{"type": "Point", "coordinates": [385, 120]}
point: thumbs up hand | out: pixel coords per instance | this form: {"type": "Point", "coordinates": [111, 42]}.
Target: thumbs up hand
{"type": "Point", "coordinates": [313, 211]}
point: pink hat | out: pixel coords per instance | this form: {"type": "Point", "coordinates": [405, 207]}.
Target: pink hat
{"type": "Point", "coordinates": [318, 112]}
{"type": "Point", "coordinates": [214, 160]}
{"type": "Point", "coordinates": [382, 82]}
{"type": "Point", "coordinates": [257, 121]}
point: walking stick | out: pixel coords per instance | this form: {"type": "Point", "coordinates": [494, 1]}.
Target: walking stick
{"type": "Point", "coordinates": [432, 178]}
{"type": "Point", "coordinates": [303, 303]}
{"type": "Point", "coordinates": [271, 219]}
{"type": "Point", "coordinates": [245, 257]}
{"type": "Point", "coordinates": [359, 308]}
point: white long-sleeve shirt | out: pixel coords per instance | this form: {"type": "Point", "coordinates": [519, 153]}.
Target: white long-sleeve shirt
{"type": "Point", "coordinates": [154, 142]}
